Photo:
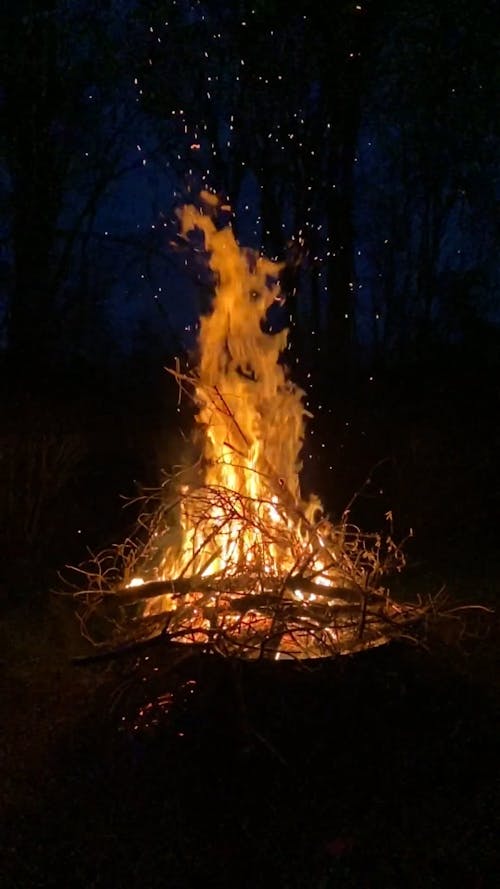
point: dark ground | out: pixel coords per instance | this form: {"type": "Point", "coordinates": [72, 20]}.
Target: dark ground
{"type": "Point", "coordinates": [376, 770]}
{"type": "Point", "coordinates": [380, 769]}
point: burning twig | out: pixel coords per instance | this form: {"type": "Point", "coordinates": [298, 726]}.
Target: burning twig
{"type": "Point", "coordinates": [240, 562]}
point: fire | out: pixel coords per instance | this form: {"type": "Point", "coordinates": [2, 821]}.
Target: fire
{"type": "Point", "coordinates": [256, 566]}
{"type": "Point", "coordinates": [252, 420]}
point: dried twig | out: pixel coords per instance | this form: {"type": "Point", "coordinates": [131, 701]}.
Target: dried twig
{"type": "Point", "coordinates": [298, 586]}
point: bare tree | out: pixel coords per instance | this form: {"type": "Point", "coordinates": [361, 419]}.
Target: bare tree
{"type": "Point", "coordinates": [67, 125]}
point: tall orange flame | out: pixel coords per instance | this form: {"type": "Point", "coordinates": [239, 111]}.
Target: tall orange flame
{"type": "Point", "coordinates": [256, 567]}
{"type": "Point", "coordinates": [251, 413]}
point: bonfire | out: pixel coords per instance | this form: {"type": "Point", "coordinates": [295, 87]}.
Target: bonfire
{"type": "Point", "coordinates": [228, 554]}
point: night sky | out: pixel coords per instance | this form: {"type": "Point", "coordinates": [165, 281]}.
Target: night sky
{"type": "Point", "coordinates": [360, 147]}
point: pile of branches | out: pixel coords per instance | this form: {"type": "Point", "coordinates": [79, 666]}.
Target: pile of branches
{"type": "Point", "coordinates": [243, 610]}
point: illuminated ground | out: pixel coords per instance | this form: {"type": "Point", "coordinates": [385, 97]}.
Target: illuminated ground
{"type": "Point", "coordinates": [378, 770]}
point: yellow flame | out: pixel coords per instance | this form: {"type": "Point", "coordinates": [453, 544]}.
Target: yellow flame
{"type": "Point", "coordinates": [245, 525]}
{"type": "Point", "coordinates": [247, 518]}
{"type": "Point", "coordinates": [251, 414]}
